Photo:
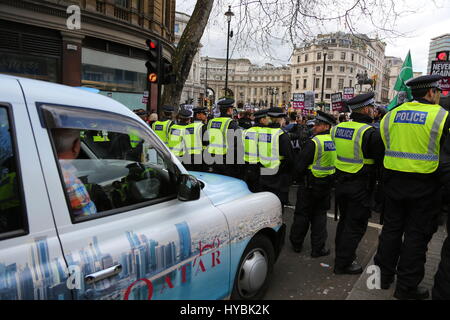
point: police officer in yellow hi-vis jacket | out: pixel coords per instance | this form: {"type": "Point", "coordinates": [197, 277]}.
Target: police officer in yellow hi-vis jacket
{"type": "Point", "coordinates": [251, 157]}
{"type": "Point", "coordinates": [177, 132]}
{"type": "Point", "coordinates": [315, 173]}
{"type": "Point", "coordinates": [413, 134]}
{"type": "Point", "coordinates": [358, 146]}
{"type": "Point", "coordinates": [162, 126]}
{"type": "Point", "coordinates": [276, 156]}
{"type": "Point", "coordinates": [223, 141]}
{"type": "Point", "coordinates": [194, 141]}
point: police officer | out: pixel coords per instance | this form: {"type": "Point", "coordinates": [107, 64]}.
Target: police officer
{"type": "Point", "coordinates": [177, 140]}
{"type": "Point", "coordinates": [161, 127]}
{"type": "Point", "coordinates": [358, 145]}
{"type": "Point", "coordinates": [315, 172]}
{"type": "Point", "coordinates": [251, 157]}
{"type": "Point", "coordinates": [413, 134]}
{"type": "Point", "coordinates": [194, 141]}
{"type": "Point", "coordinates": [276, 156]}
{"type": "Point", "coordinates": [220, 132]}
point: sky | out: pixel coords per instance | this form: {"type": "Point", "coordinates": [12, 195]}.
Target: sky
{"type": "Point", "coordinates": [429, 20]}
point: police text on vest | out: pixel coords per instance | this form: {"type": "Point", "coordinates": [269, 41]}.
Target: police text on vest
{"type": "Point", "coordinates": [414, 117]}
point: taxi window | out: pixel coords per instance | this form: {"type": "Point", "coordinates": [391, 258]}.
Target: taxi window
{"type": "Point", "coordinates": [12, 218]}
{"type": "Point", "coordinates": [108, 167]}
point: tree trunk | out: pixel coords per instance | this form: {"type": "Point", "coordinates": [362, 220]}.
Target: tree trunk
{"type": "Point", "coordinates": [186, 50]}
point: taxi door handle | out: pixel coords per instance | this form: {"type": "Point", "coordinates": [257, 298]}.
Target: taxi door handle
{"type": "Point", "coordinates": [103, 274]}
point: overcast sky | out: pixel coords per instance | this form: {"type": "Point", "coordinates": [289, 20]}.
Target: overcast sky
{"type": "Point", "coordinates": [427, 22]}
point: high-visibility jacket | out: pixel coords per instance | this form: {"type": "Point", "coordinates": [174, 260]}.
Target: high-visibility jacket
{"type": "Point", "coordinates": [176, 143]}
{"type": "Point", "coordinates": [8, 192]}
{"type": "Point", "coordinates": [103, 137]}
{"type": "Point", "coordinates": [134, 140]}
{"type": "Point", "coordinates": [411, 135]}
{"type": "Point", "coordinates": [269, 147]}
{"type": "Point", "coordinates": [324, 156]}
{"type": "Point", "coordinates": [218, 131]}
{"type": "Point", "coordinates": [193, 138]}
{"type": "Point", "coordinates": [250, 142]}
{"type": "Point", "coordinates": [347, 137]}
{"type": "Point", "coordinates": [161, 129]}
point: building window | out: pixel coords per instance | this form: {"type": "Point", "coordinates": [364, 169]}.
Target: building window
{"type": "Point", "coordinates": [328, 85]}
{"type": "Point", "coordinates": [298, 59]}
{"type": "Point", "coordinates": [327, 96]}
{"type": "Point", "coordinates": [342, 69]}
{"type": "Point", "coordinates": [319, 55]}
{"type": "Point", "coordinates": [353, 57]}
{"type": "Point", "coordinates": [351, 70]}
{"type": "Point", "coordinates": [342, 55]}
{"type": "Point", "coordinates": [317, 83]}
{"type": "Point", "coordinates": [330, 68]}
{"type": "Point", "coordinates": [318, 68]}
{"type": "Point", "coordinates": [350, 83]}
{"type": "Point", "coordinates": [305, 81]}
{"type": "Point", "coordinates": [306, 57]}
{"type": "Point", "coordinates": [298, 71]}
{"type": "Point", "coordinates": [341, 84]}
{"type": "Point", "coordinates": [305, 70]}
{"type": "Point", "coordinates": [297, 84]}
{"type": "Point", "coordinates": [330, 56]}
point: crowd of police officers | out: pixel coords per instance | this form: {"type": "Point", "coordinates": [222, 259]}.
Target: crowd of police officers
{"type": "Point", "coordinates": [406, 153]}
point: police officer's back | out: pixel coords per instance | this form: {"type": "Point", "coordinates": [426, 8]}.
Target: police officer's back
{"type": "Point", "coordinates": [413, 134]}
{"type": "Point", "coordinates": [276, 156]}
{"type": "Point", "coordinates": [194, 140]}
{"type": "Point", "coordinates": [358, 145]}
{"type": "Point", "coordinates": [177, 133]}
{"type": "Point", "coordinates": [315, 171]}
{"type": "Point", "coordinates": [162, 126]}
{"type": "Point", "coordinates": [223, 141]}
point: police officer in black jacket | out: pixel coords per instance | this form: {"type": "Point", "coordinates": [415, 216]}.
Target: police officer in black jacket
{"type": "Point", "coordinates": [358, 148]}
{"type": "Point", "coordinates": [315, 174]}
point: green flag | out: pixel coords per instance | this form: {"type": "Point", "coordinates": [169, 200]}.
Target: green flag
{"type": "Point", "coordinates": [404, 92]}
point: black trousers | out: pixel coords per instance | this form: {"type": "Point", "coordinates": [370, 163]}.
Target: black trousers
{"type": "Point", "coordinates": [311, 211]}
{"type": "Point", "coordinates": [409, 224]}
{"type": "Point", "coordinates": [251, 176]}
{"type": "Point", "coordinates": [353, 198]}
{"type": "Point", "coordinates": [441, 288]}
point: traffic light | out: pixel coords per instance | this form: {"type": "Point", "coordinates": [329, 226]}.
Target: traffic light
{"type": "Point", "coordinates": [153, 62]}
{"type": "Point", "coordinates": [167, 75]}
{"type": "Point", "coordinates": [442, 55]}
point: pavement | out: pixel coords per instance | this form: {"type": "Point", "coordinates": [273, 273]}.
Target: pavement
{"type": "Point", "coordinates": [361, 290]}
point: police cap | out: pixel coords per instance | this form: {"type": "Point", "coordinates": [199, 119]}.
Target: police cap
{"type": "Point", "coordinates": [276, 112]}
{"type": "Point", "coordinates": [361, 100]}
{"type": "Point", "coordinates": [226, 103]}
{"type": "Point", "coordinates": [325, 117]}
{"type": "Point", "coordinates": [424, 82]}
{"type": "Point", "coordinates": [260, 114]}
{"type": "Point", "coordinates": [185, 113]}
{"type": "Point", "coordinates": [200, 110]}
{"type": "Point", "coordinates": [168, 108]}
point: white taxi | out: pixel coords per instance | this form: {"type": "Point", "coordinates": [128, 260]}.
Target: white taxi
{"type": "Point", "coordinates": [94, 206]}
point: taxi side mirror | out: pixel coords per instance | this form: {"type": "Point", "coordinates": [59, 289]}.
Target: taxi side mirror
{"type": "Point", "coordinates": [188, 188]}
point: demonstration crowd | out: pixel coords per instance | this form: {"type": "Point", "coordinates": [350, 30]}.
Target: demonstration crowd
{"type": "Point", "coordinates": [397, 163]}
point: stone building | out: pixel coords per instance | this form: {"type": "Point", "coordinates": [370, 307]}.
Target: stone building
{"type": "Point", "coordinates": [346, 56]}
{"type": "Point", "coordinates": [107, 50]}
{"type": "Point", "coordinates": [248, 84]}
{"type": "Point", "coordinates": [395, 66]}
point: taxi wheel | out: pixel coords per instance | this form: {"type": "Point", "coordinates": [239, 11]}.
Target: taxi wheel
{"type": "Point", "coordinates": [256, 265]}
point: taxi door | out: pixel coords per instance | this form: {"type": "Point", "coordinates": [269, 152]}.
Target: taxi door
{"type": "Point", "coordinates": [32, 264]}
{"type": "Point", "coordinates": [136, 239]}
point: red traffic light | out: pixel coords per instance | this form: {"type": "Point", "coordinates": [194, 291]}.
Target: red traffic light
{"type": "Point", "coordinates": [442, 56]}
{"type": "Point", "coordinates": [151, 44]}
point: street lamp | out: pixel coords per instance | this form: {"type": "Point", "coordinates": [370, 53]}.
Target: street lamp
{"type": "Point", "coordinates": [323, 76]}
{"type": "Point", "coordinates": [228, 14]}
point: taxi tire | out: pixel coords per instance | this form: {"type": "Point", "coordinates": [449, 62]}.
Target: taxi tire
{"type": "Point", "coordinates": [261, 246]}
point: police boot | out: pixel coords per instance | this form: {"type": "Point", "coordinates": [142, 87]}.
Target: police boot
{"type": "Point", "coordinates": [321, 253]}
{"type": "Point", "coordinates": [354, 268]}
{"type": "Point", "coordinates": [405, 293]}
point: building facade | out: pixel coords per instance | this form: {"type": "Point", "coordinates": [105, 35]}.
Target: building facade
{"type": "Point", "coordinates": [441, 43]}
{"type": "Point", "coordinates": [346, 57]}
{"type": "Point", "coordinates": [106, 50]}
{"type": "Point", "coordinates": [395, 67]}
{"type": "Point", "coordinates": [248, 84]}
{"type": "Point", "coordinates": [193, 90]}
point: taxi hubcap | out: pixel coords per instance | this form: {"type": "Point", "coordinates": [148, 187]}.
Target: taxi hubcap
{"type": "Point", "coordinates": [253, 273]}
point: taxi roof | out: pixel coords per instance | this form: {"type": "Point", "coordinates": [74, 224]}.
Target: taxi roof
{"type": "Point", "coordinates": [53, 93]}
